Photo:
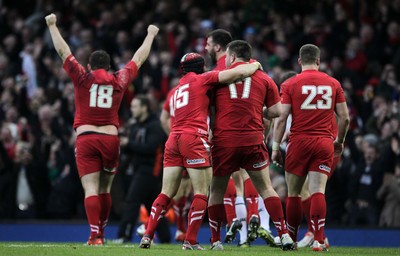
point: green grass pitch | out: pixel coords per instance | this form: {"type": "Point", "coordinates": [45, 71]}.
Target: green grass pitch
{"type": "Point", "coordinates": [64, 249]}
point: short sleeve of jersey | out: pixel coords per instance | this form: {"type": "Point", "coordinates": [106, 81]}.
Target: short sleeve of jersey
{"type": "Point", "coordinates": [210, 78]}
{"type": "Point", "coordinates": [273, 96]}
{"type": "Point", "coordinates": [127, 74]}
{"type": "Point", "coordinates": [74, 70]}
{"type": "Point", "coordinates": [340, 98]}
{"type": "Point", "coordinates": [285, 93]}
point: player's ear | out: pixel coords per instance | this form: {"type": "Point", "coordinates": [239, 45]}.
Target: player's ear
{"type": "Point", "coordinates": [299, 61]}
{"type": "Point", "coordinates": [89, 67]}
{"type": "Point", "coordinates": [318, 62]}
{"type": "Point", "coordinates": [217, 47]}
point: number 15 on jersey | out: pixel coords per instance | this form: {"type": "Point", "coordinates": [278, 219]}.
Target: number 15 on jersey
{"type": "Point", "coordinates": [179, 99]}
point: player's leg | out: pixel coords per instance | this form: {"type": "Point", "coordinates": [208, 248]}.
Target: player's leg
{"type": "Point", "coordinates": [106, 179]}
{"type": "Point", "coordinates": [264, 231]}
{"type": "Point", "coordinates": [273, 204]}
{"type": "Point", "coordinates": [240, 223]}
{"type": "Point", "coordinates": [256, 164]}
{"type": "Point", "coordinates": [293, 203]}
{"type": "Point", "coordinates": [89, 168]}
{"type": "Point", "coordinates": [251, 195]}
{"type": "Point", "coordinates": [179, 206]}
{"type": "Point", "coordinates": [90, 183]}
{"type": "Point", "coordinates": [171, 181]}
{"type": "Point", "coordinates": [216, 214]}
{"type": "Point", "coordinates": [201, 179]}
{"type": "Point", "coordinates": [308, 238]}
{"type": "Point", "coordinates": [229, 202]}
{"type": "Point", "coordinates": [109, 150]}
{"type": "Point", "coordinates": [317, 186]}
{"type": "Point", "coordinates": [298, 157]}
{"type": "Point", "coordinates": [320, 169]}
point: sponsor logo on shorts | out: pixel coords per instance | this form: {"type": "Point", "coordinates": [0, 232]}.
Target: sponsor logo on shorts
{"type": "Point", "coordinates": [258, 165]}
{"type": "Point", "coordinates": [196, 161]}
{"type": "Point", "coordinates": [324, 168]}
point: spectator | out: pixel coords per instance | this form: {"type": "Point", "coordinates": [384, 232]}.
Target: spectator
{"type": "Point", "coordinates": [389, 192]}
{"type": "Point", "coordinates": [144, 146]}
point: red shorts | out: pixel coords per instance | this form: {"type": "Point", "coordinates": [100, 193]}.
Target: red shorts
{"type": "Point", "coordinates": [187, 150]}
{"type": "Point", "coordinates": [336, 160]}
{"type": "Point", "coordinates": [95, 152]}
{"type": "Point", "coordinates": [227, 160]}
{"type": "Point", "coordinates": [313, 154]}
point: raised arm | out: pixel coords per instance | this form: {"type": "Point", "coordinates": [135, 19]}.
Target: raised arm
{"type": "Point", "coordinates": [238, 73]}
{"type": "Point", "coordinates": [142, 53]}
{"type": "Point", "coordinates": [343, 125]}
{"type": "Point", "coordinates": [59, 43]}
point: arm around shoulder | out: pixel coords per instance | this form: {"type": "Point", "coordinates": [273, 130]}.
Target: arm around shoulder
{"type": "Point", "coordinates": [238, 73]}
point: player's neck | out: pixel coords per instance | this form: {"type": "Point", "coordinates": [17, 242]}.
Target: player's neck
{"type": "Point", "coordinates": [220, 55]}
{"type": "Point", "coordinates": [309, 67]}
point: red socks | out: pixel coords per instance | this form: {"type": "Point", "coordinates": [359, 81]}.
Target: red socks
{"type": "Point", "coordinates": [293, 215]}
{"type": "Point", "coordinates": [179, 209]}
{"type": "Point", "coordinates": [105, 204]}
{"type": "Point", "coordinates": [92, 207]}
{"type": "Point", "coordinates": [158, 209]}
{"type": "Point", "coordinates": [318, 214]}
{"type": "Point", "coordinates": [274, 207]}
{"type": "Point", "coordinates": [251, 195]}
{"type": "Point", "coordinates": [215, 219]}
{"type": "Point", "coordinates": [229, 201]}
{"type": "Point", "coordinates": [306, 211]}
{"type": "Point", "coordinates": [195, 217]}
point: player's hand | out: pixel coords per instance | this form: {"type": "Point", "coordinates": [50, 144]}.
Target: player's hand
{"type": "Point", "coordinates": [51, 19]}
{"type": "Point", "coordinates": [258, 64]}
{"type": "Point", "coordinates": [123, 141]}
{"type": "Point", "coordinates": [338, 148]}
{"type": "Point", "coordinates": [276, 158]}
{"type": "Point", "coordinates": [152, 30]}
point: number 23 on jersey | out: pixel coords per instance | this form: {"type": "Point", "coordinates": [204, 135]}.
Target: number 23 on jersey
{"type": "Point", "coordinates": [312, 91]}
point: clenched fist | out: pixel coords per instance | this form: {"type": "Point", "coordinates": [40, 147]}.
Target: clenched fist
{"type": "Point", "coordinates": [152, 30]}
{"type": "Point", "coordinates": [51, 19]}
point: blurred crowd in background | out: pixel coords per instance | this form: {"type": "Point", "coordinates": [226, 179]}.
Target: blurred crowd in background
{"type": "Point", "coordinates": [360, 46]}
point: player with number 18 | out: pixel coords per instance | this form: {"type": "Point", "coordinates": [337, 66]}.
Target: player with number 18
{"type": "Point", "coordinates": [98, 96]}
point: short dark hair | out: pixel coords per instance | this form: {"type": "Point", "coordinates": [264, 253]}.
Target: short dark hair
{"type": "Point", "coordinates": [99, 60]}
{"type": "Point", "coordinates": [241, 49]}
{"type": "Point", "coordinates": [309, 54]}
{"type": "Point", "coordinates": [285, 76]}
{"type": "Point", "coordinates": [192, 62]}
{"type": "Point", "coordinates": [144, 101]}
{"type": "Point", "coordinates": [221, 37]}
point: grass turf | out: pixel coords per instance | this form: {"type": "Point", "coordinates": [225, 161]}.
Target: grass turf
{"type": "Point", "coordinates": [63, 249]}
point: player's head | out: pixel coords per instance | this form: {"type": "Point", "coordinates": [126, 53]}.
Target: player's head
{"type": "Point", "coordinates": [309, 55]}
{"type": "Point", "coordinates": [140, 107]}
{"type": "Point", "coordinates": [237, 50]}
{"type": "Point", "coordinates": [217, 40]}
{"type": "Point", "coordinates": [285, 76]}
{"type": "Point", "coordinates": [192, 62]}
{"type": "Point", "coordinates": [99, 60]}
